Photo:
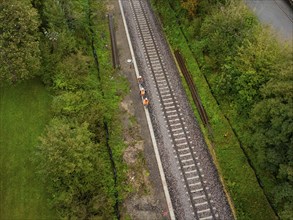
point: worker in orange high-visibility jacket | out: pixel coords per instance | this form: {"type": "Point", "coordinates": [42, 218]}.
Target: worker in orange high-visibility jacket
{"type": "Point", "coordinates": [142, 91]}
{"type": "Point", "coordinates": [145, 101]}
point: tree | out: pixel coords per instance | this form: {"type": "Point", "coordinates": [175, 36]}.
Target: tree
{"type": "Point", "coordinates": [190, 6]}
{"type": "Point", "coordinates": [271, 132]}
{"type": "Point", "coordinates": [256, 61]}
{"type": "Point", "coordinates": [76, 176]}
{"type": "Point", "coordinates": [19, 41]}
{"type": "Point", "coordinates": [224, 31]}
{"type": "Point", "coordinates": [83, 105]}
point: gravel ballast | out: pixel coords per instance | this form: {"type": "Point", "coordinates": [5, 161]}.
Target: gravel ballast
{"type": "Point", "coordinates": [176, 185]}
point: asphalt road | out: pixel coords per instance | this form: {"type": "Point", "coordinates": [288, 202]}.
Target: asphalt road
{"type": "Point", "coordinates": [276, 13]}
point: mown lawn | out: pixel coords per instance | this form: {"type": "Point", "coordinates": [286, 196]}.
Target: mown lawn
{"type": "Point", "coordinates": [24, 112]}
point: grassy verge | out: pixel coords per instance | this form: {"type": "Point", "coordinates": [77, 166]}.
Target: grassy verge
{"type": "Point", "coordinates": [24, 111]}
{"type": "Point", "coordinates": [238, 177]}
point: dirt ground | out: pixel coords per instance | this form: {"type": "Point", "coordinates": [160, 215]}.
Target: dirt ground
{"type": "Point", "coordinates": [147, 200]}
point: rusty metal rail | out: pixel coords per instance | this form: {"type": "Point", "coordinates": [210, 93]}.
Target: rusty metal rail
{"type": "Point", "coordinates": [115, 58]}
{"type": "Point", "coordinates": [192, 89]}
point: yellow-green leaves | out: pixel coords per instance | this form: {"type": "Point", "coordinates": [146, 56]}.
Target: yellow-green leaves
{"type": "Point", "coordinates": [19, 41]}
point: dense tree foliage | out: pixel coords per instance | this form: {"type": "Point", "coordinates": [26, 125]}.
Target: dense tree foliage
{"type": "Point", "coordinates": [190, 6]}
{"type": "Point", "coordinates": [73, 151]}
{"type": "Point", "coordinates": [223, 36]}
{"type": "Point", "coordinates": [253, 64]}
{"type": "Point", "coordinates": [75, 174]}
{"type": "Point", "coordinates": [19, 41]}
{"type": "Point", "coordinates": [250, 74]}
{"type": "Point", "coordinates": [253, 71]}
{"type": "Point", "coordinates": [272, 140]}
{"type": "Point", "coordinates": [62, 41]}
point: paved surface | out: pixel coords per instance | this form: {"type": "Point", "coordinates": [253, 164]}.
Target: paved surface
{"type": "Point", "coordinates": [276, 13]}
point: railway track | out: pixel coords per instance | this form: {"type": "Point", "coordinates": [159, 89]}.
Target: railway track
{"type": "Point", "coordinates": [114, 49]}
{"type": "Point", "coordinates": [202, 113]}
{"type": "Point", "coordinates": [184, 149]}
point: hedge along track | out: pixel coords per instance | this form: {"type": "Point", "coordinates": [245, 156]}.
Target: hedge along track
{"type": "Point", "coordinates": [189, 166]}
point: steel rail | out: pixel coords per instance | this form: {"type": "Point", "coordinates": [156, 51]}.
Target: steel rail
{"type": "Point", "coordinates": [192, 88]}
{"type": "Point", "coordinates": [115, 59]}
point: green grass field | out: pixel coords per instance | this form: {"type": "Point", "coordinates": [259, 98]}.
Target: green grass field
{"type": "Point", "coordinates": [24, 112]}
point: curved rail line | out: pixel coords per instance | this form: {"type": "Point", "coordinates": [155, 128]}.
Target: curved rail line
{"type": "Point", "coordinates": [184, 149]}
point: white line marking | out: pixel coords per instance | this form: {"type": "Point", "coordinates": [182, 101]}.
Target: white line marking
{"type": "Point", "coordinates": [209, 217]}
{"type": "Point", "coordinates": [197, 190]}
{"type": "Point", "coordinates": [194, 184]}
{"type": "Point", "coordinates": [176, 129]}
{"type": "Point", "coordinates": [183, 149]}
{"type": "Point", "coordinates": [199, 197]}
{"type": "Point", "coordinates": [173, 125]}
{"type": "Point", "coordinates": [179, 134]}
{"type": "Point", "coordinates": [185, 143]}
{"type": "Point", "coordinates": [205, 210]}
{"type": "Point", "coordinates": [188, 166]}
{"type": "Point", "coordinates": [201, 204]}
{"type": "Point", "coordinates": [192, 178]}
{"type": "Point", "coordinates": [191, 171]}
{"type": "Point", "coordinates": [184, 161]}
{"type": "Point", "coordinates": [184, 155]}
{"type": "Point", "coordinates": [179, 139]}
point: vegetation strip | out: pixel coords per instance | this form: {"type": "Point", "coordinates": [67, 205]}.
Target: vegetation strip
{"type": "Point", "coordinates": [116, 207]}
{"type": "Point", "coordinates": [113, 166]}
{"type": "Point", "coordinates": [110, 152]}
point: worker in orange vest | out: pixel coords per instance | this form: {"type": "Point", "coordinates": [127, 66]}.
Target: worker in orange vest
{"type": "Point", "coordinates": [142, 91]}
{"type": "Point", "coordinates": [145, 101]}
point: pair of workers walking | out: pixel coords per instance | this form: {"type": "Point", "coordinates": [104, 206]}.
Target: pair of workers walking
{"type": "Point", "coordinates": [142, 91]}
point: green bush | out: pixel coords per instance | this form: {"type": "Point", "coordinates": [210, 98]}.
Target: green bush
{"type": "Point", "coordinates": [19, 41]}
{"type": "Point", "coordinates": [87, 93]}
{"type": "Point", "coordinates": [223, 44]}
{"type": "Point", "coordinates": [77, 175]}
